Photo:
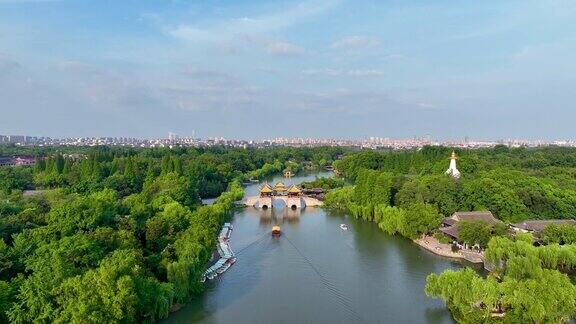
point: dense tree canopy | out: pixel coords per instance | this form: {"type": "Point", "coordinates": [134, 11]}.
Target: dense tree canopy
{"type": "Point", "coordinates": [116, 235]}
{"type": "Point", "coordinates": [560, 234]}
{"type": "Point", "coordinates": [514, 184]}
{"type": "Point", "coordinates": [524, 288]}
{"type": "Point", "coordinates": [479, 233]}
{"type": "Point", "coordinates": [326, 183]}
{"type": "Point", "coordinates": [407, 193]}
{"type": "Point", "coordinates": [120, 235]}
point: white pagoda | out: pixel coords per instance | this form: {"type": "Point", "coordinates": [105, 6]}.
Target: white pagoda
{"type": "Point", "coordinates": [452, 170]}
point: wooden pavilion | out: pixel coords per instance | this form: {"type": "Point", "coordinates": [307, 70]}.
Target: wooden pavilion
{"type": "Point", "coordinates": [280, 188]}
{"type": "Point", "coordinates": [266, 190]}
{"type": "Point", "coordinates": [294, 191]}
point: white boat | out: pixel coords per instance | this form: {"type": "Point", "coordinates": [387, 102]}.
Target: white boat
{"type": "Point", "coordinates": [344, 227]}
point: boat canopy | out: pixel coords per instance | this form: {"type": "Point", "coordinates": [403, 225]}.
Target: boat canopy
{"type": "Point", "coordinates": [224, 251]}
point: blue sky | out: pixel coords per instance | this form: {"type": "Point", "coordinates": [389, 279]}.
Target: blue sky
{"type": "Point", "coordinates": [252, 69]}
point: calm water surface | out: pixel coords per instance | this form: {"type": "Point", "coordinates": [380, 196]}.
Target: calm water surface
{"type": "Point", "coordinates": [317, 273]}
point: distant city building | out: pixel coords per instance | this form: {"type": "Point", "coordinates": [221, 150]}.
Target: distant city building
{"type": "Point", "coordinates": [172, 137]}
{"type": "Point", "coordinates": [372, 143]}
{"type": "Point", "coordinates": [452, 170]}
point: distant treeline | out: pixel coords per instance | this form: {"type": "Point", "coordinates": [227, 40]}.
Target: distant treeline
{"type": "Point", "coordinates": [514, 184]}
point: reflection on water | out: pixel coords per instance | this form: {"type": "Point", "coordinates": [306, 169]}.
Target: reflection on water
{"type": "Point", "coordinates": [316, 273]}
{"type": "Point", "coordinates": [278, 216]}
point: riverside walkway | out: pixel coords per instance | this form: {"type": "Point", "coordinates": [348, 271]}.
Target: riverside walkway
{"type": "Point", "coordinates": [433, 245]}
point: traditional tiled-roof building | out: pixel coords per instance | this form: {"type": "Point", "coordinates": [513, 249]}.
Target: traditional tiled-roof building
{"type": "Point", "coordinates": [449, 225]}
{"type": "Point", "coordinates": [536, 226]}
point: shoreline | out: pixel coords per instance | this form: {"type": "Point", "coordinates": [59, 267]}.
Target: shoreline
{"type": "Point", "coordinates": [431, 244]}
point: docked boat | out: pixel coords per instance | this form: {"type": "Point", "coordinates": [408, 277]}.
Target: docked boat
{"type": "Point", "coordinates": [344, 227]}
{"type": "Point", "coordinates": [276, 231]}
{"type": "Point", "coordinates": [227, 258]}
{"type": "Point", "coordinates": [223, 268]}
{"type": "Point", "coordinates": [225, 232]}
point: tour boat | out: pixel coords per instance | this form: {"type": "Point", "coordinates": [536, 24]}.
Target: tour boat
{"type": "Point", "coordinates": [227, 258]}
{"type": "Point", "coordinates": [276, 230]}
{"type": "Point", "coordinates": [344, 227]}
{"type": "Point", "coordinates": [223, 268]}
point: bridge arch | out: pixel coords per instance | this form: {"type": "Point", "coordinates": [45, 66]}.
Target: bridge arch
{"type": "Point", "coordinates": [282, 202]}
{"type": "Point", "coordinates": [279, 203]}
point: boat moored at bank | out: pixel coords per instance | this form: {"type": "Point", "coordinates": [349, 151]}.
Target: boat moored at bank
{"type": "Point", "coordinates": [227, 258]}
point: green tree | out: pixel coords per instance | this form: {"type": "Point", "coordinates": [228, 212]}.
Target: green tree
{"type": "Point", "coordinates": [472, 233]}
{"type": "Point", "coordinates": [561, 234]}
{"type": "Point", "coordinates": [339, 198]}
{"type": "Point", "coordinates": [5, 300]}
{"type": "Point", "coordinates": [105, 295]}
{"type": "Point", "coordinates": [420, 218]}
{"type": "Point", "coordinates": [393, 220]}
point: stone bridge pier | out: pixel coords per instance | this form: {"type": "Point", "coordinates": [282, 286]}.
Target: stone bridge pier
{"type": "Point", "coordinates": [292, 202]}
{"type": "Point", "coordinates": [289, 202]}
{"type": "Point", "coordinates": [260, 202]}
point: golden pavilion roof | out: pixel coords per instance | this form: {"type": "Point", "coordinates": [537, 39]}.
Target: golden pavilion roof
{"type": "Point", "coordinates": [280, 186]}
{"type": "Point", "coordinates": [266, 188]}
{"type": "Point", "coordinates": [294, 189]}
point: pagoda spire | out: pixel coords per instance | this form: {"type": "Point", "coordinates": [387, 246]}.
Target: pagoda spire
{"type": "Point", "coordinates": [452, 169]}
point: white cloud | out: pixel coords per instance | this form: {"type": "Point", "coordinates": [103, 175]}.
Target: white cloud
{"type": "Point", "coordinates": [271, 46]}
{"type": "Point", "coordinates": [265, 23]}
{"type": "Point", "coordinates": [191, 33]}
{"type": "Point", "coordinates": [340, 72]}
{"type": "Point", "coordinates": [426, 105]}
{"type": "Point", "coordinates": [346, 101]}
{"type": "Point", "coordinates": [224, 34]}
{"type": "Point", "coordinates": [284, 49]}
{"type": "Point", "coordinates": [78, 67]}
{"type": "Point", "coordinates": [353, 43]}
{"type": "Point", "coordinates": [365, 73]}
{"type": "Point", "coordinates": [324, 72]}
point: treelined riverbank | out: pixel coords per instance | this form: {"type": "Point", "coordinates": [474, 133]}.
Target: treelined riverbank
{"type": "Point", "coordinates": [407, 193]}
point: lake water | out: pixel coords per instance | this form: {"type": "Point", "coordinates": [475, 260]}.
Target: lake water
{"type": "Point", "coordinates": [318, 273]}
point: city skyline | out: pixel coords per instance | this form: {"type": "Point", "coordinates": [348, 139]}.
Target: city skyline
{"type": "Point", "coordinates": [173, 140]}
{"type": "Point", "coordinates": [307, 68]}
